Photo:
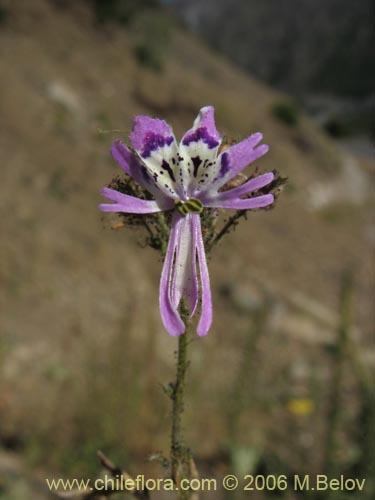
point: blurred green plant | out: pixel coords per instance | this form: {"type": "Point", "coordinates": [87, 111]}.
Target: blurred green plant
{"type": "Point", "coordinates": [345, 351]}
{"type": "Point", "coordinates": [152, 46]}
{"type": "Point", "coordinates": [56, 187]}
{"type": "Point", "coordinates": [339, 352]}
{"type": "Point", "coordinates": [12, 489]}
{"type": "Point", "coordinates": [56, 372]}
{"type": "Point", "coordinates": [4, 15]}
{"type": "Point", "coordinates": [285, 112]}
{"type": "Point", "coordinates": [336, 128]}
{"type": "Point", "coordinates": [147, 56]}
{"type": "Point", "coordinates": [351, 123]}
{"type": "Point", "coordinates": [245, 457]}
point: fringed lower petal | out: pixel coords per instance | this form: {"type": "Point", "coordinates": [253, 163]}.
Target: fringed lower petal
{"type": "Point", "coordinates": [215, 199]}
{"type": "Point", "coordinates": [242, 204]}
{"type": "Point", "coordinates": [231, 162]}
{"type": "Point", "coordinates": [131, 204]}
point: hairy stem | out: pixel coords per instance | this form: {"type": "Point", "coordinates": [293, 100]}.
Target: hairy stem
{"type": "Point", "coordinates": [232, 221]}
{"type": "Point", "coordinates": [180, 455]}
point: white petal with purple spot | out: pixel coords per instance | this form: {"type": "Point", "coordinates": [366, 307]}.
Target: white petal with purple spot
{"type": "Point", "coordinates": [198, 149]}
{"type": "Point", "coordinates": [155, 145]}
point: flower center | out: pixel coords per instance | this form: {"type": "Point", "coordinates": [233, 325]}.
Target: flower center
{"type": "Point", "coordinates": [191, 206]}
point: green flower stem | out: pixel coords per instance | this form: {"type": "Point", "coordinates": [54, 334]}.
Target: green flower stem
{"type": "Point", "coordinates": [180, 455]}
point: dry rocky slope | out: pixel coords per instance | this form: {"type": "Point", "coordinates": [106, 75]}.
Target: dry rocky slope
{"type": "Point", "coordinates": [70, 285]}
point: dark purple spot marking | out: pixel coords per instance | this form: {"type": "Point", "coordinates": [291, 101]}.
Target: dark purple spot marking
{"type": "Point", "coordinates": [145, 173]}
{"type": "Point", "coordinates": [196, 162]}
{"type": "Point", "coordinates": [152, 141]}
{"type": "Point", "coordinates": [147, 177]}
{"type": "Point", "coordinates": [225, 167]}
{"type": "Point", "coordinates": [165, 165]}
{"type": "Point", "coordinates": [201, 134]}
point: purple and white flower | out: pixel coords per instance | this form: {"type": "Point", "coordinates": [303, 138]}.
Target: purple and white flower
{"type": "Point", "coordinates": [185, 178]}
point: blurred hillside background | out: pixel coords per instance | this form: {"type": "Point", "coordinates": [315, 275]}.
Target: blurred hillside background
{"type": "Point", "coordinates": [315, 51]}
{"type": "Point", "coordinates": [283, 384]}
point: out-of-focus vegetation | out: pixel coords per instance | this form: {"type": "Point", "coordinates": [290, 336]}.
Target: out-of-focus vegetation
{"type": "Point", "coordinates": [152, 26]}
{"type": "Point", "coordinates": [151, 49]}
{"type": "Point", "coordinates": [3, 14]}
{"type": "Point", "coordinates": [120, 11]}
{"type": "Point", "coordinates": [286, 112]}
{"type": "Point", "coordinates": [349, 123]}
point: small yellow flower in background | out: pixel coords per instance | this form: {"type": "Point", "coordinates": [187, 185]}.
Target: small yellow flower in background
{"type": "Point", "coordinates": [301, 406]}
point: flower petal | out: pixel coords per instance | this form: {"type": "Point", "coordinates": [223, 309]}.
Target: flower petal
{"type": "Point", "coordinates": [154, 142]}
{"type": "Point", "coordinates": [127, 160]}
{"type": "Point", "coordinates": [206, 315]}
{"type": "Point", "coordinates": [185, 280]}
{"type": "Point", "coordinates": [198, 150]}
{"type": "Point", "coordinates": [149, 135]}
{"type": "Point", "coordinates": [241, 204]}
{"type": "Point", "coordinates": [237, 157]}
{"type": "Point", "coordinates": [203, 131]}
{"type": "Point", "coordinates": [169, 312]}
{"type": "Point", "coordinates": [248, 187]}
{"type": "Point", "coordinates": [134, 167]}
{"type": "Point", "coordinates": [131, 204]}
